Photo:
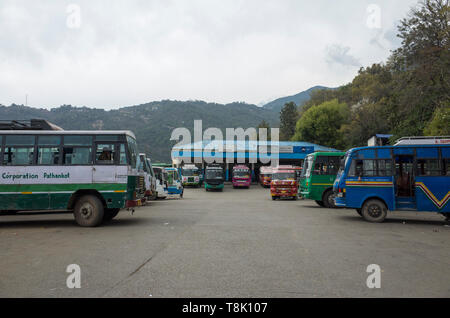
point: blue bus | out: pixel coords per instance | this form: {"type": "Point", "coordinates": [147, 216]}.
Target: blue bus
{"type": "Point", "coordinates": [412, 175]}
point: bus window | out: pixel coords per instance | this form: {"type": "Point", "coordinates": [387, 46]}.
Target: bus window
{"type": "Point", "coordinates": [123, 155]}
{"type": "Point", "coordinates": [77, 156]}
{"type": "Point", "coordinates": [333, 165]}
{"type": "Point", "coordinates": [48, 155]}
{"type": "Point", "coordinates": [106, 138]}
{"type": "Point", "coordinates": [19, 150]}
{"type": "Point", "coordinates": [369, 168]}
{"type": "Point", "coordinates": [77, 150]}
{"type": "Point", "coordinates": [363, 168]}
{"type": "Point", "coordinates": [428, 167]}
{"type": "Point", "coordinates": [321, 166]}
{"type": "Point", "coordinates": [78, 141]}
{"type": "Point", "coordinates": [446, 166]}
{"type": "Point", "coordinates": [384, 167]}
{"type": "Point", "coordinates": [105, 154]}
{"type": "Point", "coordinates": [48, 150]}
{"type": "Point", "coordinates": [49, 140]}
{"type": "Point", "coordinates": [18, 156]}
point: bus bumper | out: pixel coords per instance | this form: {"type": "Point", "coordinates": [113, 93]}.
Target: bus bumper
{"type": "Point", "coordinates": [340, 202]}
{"type": "Point", "coordinates": [133, 203]}
{"type": "Point", "coordinates": [304, 194]}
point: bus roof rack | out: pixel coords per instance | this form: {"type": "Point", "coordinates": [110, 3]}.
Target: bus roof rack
{"type": "Point", "coordinates": [31, 124]}
{"type": "Point", "coordinates": [423, 140]}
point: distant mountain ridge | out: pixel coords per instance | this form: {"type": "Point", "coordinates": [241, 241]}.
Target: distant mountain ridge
{"type": "Point", "coordinates": [298, 99]}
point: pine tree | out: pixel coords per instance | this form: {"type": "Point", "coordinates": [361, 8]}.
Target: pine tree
{"type": "Point", "coordinates": [288, 120]}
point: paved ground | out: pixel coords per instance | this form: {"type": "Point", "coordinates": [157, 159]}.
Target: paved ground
{"type": "Point", "coordinates": [238, 243]}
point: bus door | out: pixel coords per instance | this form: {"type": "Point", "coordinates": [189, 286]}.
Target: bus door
{"type": "Point", "coordinates": [432, 180]}
{"type": "Point", "coordinates": [104, 170]}
{"type": "Point", "coordinates": [404, 182]}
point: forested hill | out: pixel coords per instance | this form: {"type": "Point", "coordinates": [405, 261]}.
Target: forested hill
{"type": "Point", "coordinates": [152, 122]}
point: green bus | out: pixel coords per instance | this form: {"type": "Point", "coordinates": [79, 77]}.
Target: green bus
{"type": "Point", "coordinates": [92, 173]}
{"type": "Point", "coordinates": [317, 177]}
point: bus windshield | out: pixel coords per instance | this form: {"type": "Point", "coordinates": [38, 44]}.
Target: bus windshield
{"type": "Point", "coordinates": [150, 167]}
{"type": "Point", "coordinates": [342, 165]}
{"type": "Point", "coordinates": [243, 173]}
{"type": "Point", "coordinates": [190, 172]}
{"type": "Point", "coordinates": [284, 176]}
{"type": "Point", "coordinates": [306, 171]}
{"type": "Point", "coordinates": [214, 174]}
{"type": "Point", "coordinates": [132, 152]}
{"type": "Point", "coordinates": [142, 164]}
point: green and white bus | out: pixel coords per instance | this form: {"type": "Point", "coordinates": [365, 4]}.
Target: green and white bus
{"type": "Point", "coordinates": [318, 175]}
{"type": "Point", "coordinates": [92, 173]}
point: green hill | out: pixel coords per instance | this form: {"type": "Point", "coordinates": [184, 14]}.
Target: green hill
{"type": "Point", "coordinates": [151, 122]}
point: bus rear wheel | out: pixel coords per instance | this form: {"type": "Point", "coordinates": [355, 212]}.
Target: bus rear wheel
{"type": "Point", "coordinates": [110, 214]}
{"type": "Point", "coordinates": [374, 211]}
{"type": "Point", "coordinates": [88, 211]}
{"type": "Point", "coordinates": [328, 199]}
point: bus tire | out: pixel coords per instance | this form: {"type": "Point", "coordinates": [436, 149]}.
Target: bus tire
{"type": "Point", "coordinates": [328, 199]}
{"type": "Point", "coordinates": [88, 211]}
{"type": "Point", "coordinates": [110, 214]}
{"type": "Point", "coordinates": [374, 211]}
{"type": "Point", "coordinates": [320, 203]}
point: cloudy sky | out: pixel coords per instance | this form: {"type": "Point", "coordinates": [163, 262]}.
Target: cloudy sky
{"type": "Point", "coordinates": [108, 54]}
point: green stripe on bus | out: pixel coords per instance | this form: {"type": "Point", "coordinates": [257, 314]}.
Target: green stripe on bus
{"type": "Point", "coordinates": [61, 187]}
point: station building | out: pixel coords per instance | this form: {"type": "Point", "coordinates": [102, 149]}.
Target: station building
{"type": "Point", "coordinates": [252, 153]}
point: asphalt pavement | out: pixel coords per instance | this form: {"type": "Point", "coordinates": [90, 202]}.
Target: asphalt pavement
{"type": "Point", "coordinates": [235, 243]}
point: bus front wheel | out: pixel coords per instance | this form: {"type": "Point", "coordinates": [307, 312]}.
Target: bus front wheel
{"type": "Point", "coordinates": [374, 211]}
{"type": "Point", "coordinates": [320, 203]}
{"type": "Point", "coordinates": [88, 211]}
{"type": "Point", "coordinates": [110, 214]}
{"type": "Point", "coordinates": [328, 199]}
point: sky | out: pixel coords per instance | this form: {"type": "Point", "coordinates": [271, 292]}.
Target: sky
{"type": "Point", "coordinates": [110, 54]}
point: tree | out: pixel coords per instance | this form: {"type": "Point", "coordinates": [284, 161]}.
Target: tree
{"type": "Point", "coordinates": [440, 124]}
{"type": "Point", "coordinates": [264, 124]}
{"type": "Point", "coordinates": [421, 68]}
{"type": "Point", "coordinates": [322, 124]}
{"type": "Point", "coordinates": [288, 119]}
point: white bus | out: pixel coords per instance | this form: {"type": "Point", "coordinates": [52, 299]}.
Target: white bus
{"type": "Point", "coordinates": [92, 173]}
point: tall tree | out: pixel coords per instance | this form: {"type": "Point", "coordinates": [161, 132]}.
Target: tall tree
{"type": "Point", "coordinates": [264, 124]}
{"type": "Point", "coordinates": [421, 68]}
{"type": "Point", "coordinates": [321, 124]}
{"type": "Point", "coordinates": [288, 119]}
